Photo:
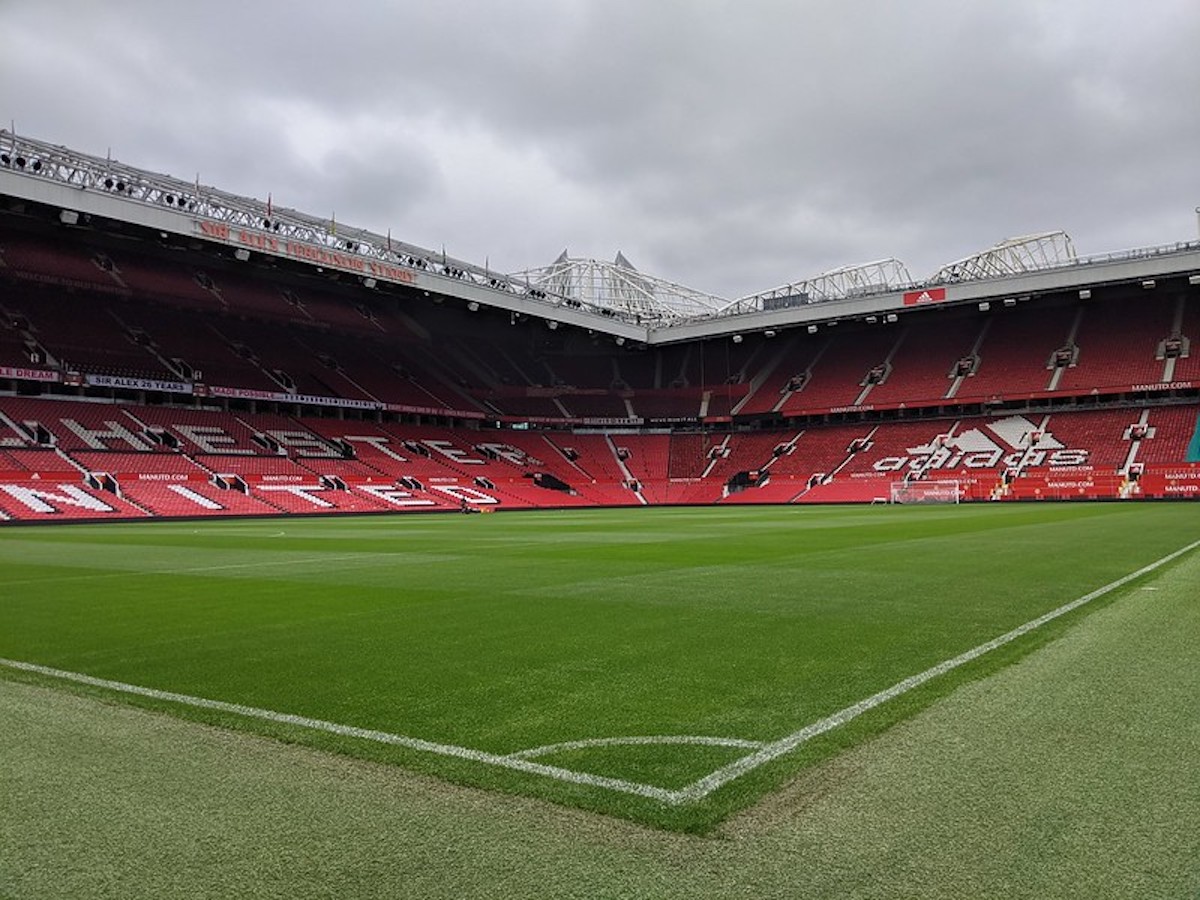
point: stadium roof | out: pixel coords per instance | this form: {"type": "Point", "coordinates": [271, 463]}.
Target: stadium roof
{"type": "Point", "coordinates": [613, 297]}
{"type": "Point", "coordinates": [621, 288]}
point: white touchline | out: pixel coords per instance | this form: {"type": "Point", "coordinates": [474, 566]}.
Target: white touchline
{"type": "Point", "coordinates": [766, 752]}
{"type": "Point", "coordinates": [381, 737]}
{"type": "Point", "coordinates": [722, 776]}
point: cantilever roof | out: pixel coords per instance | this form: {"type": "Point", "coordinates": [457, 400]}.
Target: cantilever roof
{"type": "Point", "coordinates": [619, 287]}
{"type": "Point", "coordinates": [613, 296]}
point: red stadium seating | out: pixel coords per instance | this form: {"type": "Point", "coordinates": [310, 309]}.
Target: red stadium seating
{"type": "Point", "coordinates": [148, 383]}
{"type": "Point", "coordinates": [1015, 353]}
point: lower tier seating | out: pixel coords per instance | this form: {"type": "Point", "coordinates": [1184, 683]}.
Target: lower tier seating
{"type": "Point", "coordinates": [91, 460]}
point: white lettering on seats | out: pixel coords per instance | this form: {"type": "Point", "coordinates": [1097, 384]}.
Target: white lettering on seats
{"type": "Point", "coordinates": [506, 452]}
{"type": "Point", "coordinates": [307, 444]}
{"type": "Point", "coordinates": [306, 492]}
{"type": "Point", "coordinates": [462, 492]}
{"type": "Point", "coordinates": [41, 500]}
{"type": "Point", "coordinates": [212, 439]}
{"type": "Point", "coordinates": [395, 496]}
{"type": "Point", "coordinates": [379, 443]}
{"type": "Point", "coordinates": [199, 499]}
{"type": "Point", "coordinates": [95, 437]}
{"type": "Point", "coordinates": [975, 449]}
{"type": "Point", "coordinates": [452, 453]}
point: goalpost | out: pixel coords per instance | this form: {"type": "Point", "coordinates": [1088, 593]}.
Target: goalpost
{"type": "Point", "coordinates": [948, 491]}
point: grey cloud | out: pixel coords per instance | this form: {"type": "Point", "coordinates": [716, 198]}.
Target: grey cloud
{"type": "Point", "coordinates": [730, 146]}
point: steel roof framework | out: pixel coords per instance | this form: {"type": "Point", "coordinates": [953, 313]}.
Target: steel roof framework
{"type": "Point", "coordinates": [1013, 256]}
{"type": "Point", "coordinates": [619, 287]}
{"type": "Point", "coordinates": [107, 175]}
{"type": "Point", "coordinates": [583, 288]}
{"type": "Point", "coordinates": [879, 277]}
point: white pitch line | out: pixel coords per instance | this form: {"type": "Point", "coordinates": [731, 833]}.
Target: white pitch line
{"type": "Point", "coordinates": [692, 793]}
{"type": "Point", "coordinates": [380, 737]}
{"type": "Point", "coordinates": [722, 776]}
{"type": "Point", "coordinates": [587, 743]}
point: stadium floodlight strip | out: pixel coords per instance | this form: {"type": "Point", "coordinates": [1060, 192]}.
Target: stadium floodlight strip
{"type": "Point", "coordinates": [693, 793]}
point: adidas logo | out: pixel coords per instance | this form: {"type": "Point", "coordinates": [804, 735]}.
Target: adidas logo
{"type": "Point", "coordinates": [1007, 443]}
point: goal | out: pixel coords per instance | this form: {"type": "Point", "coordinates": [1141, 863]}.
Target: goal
{"type": "Point", "coordinates": [925, 492]}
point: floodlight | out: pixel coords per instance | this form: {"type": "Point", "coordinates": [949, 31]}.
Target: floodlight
{"type": "Point", "coordinates": [241, 254]}
{"type": "Point", "coordinates": [769, 333]}
{"type": "Point", "coordinates": [369, 282]}
{"type": "Point", "coordinates": [737, 338]}
{"type": "Point", "coordinates": [1148, 284]}
{"type": "Point", "coordinates": [473, 306]}
{"type": "Point", "coordinates": [1085, 294]}
{"type": "Point", "coordinates": [552, 325]}
{"type": "Point", "coordinates": [984, 306]}
{"type": "Point", "coordinates": [891, 317]}
{"type": "Point", "coordinates": [1194, 279]}
{"type": "Point", "coordinates": [620, 342]}
{"type": "Point", "coordinates": [68, 217]}
{"type": "Point", "coordinates": [812, 329]}
{"type": "Point", "coordinates": [1010, 301]}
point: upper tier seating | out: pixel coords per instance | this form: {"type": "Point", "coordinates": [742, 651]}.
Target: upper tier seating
{"type": "Point", "coordinates": [837, 375]}
{"type": "Point", "coordinates": [1015, 351]}
{"type": "Point", "coordinates": [1117, 345]}
{"type": "Point", "coordinates": [921, 366]}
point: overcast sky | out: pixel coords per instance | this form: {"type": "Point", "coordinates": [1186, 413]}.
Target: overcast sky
{"type": "Point", "coordinates": [729, 146]}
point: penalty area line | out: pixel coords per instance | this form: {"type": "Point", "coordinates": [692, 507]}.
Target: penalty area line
{"type": "Point", "coordinates": [720, 777]}
{"type": "Point", "coordinates": [379, 737]}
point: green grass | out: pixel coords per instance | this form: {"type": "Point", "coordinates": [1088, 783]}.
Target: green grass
{"type": "Point", "coordinates": [508, 632]}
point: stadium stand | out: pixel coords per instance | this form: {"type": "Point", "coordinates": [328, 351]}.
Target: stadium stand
{"type": "Point", "coordinates": [141, 375]}
{"type": "Point", "coordinates": [838, 377]}
{"type": "Point", "coordinates": [1015, 353]}
{"type": "Point", "coordinates": [1118, 345]}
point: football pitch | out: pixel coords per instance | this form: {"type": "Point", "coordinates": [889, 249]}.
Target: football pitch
{"type": "Point", "coordinates": [670, 666]}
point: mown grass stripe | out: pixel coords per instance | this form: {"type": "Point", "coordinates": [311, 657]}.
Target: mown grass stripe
{"type": "Point", "coordinates": [381, 737]}
{"type": "Point", "coordinates": [721, 777]}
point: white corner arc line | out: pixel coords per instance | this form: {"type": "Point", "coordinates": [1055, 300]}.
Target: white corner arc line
{"type": "Point", "coordinates": [693, 793]}
{"type": "Point", "coordinates": [380, 737]}
{"type": "Point", "coordinates": [588, 743]}
{"type": "Point", "coordinates": [698, 790]}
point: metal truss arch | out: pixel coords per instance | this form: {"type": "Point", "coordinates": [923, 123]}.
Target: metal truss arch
{"type": "Point", "coordinates": [617, 288]}
{"type": "Point", "coordinates": [1012, 256]}
{"type": "Point", "coordinates": [878, 277]}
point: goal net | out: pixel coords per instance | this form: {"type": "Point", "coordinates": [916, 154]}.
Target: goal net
{"type": "Point", "coordinates": [925, 492]}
